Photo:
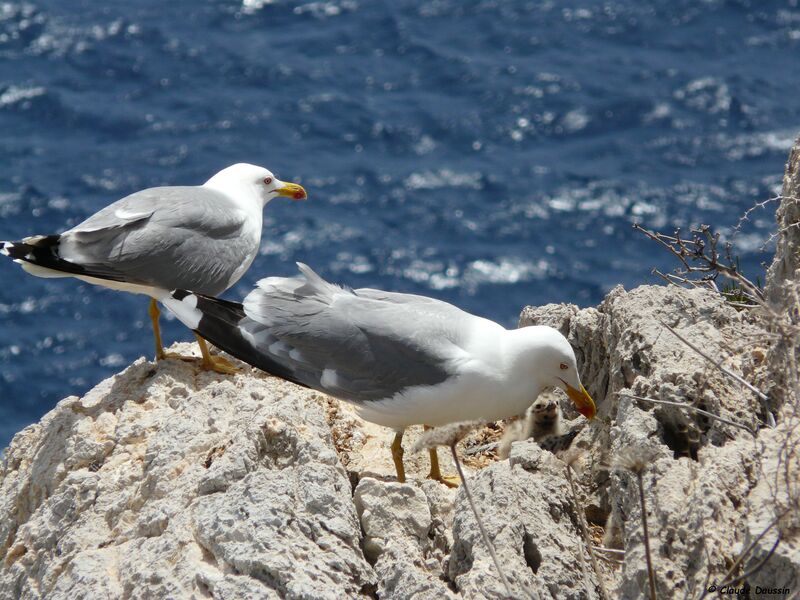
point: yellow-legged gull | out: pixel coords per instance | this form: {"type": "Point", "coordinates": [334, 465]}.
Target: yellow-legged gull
{"type": "Point", "coordinates": [400, 359]}
{"type": "Point", "coordinates": [201, 238]}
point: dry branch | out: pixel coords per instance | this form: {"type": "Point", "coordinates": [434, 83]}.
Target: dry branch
{"type": "Point", "coordinates": [700, 257]}
{"type": "Point", "coordinates": [691, 408]}
{"type": "Point", "coordinates": [588, 540]}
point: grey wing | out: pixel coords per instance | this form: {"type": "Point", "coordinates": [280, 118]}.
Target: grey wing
{"type": "Point", "coordinates": [401, 298]}
{"type": "Point", "coordinates": [357, 347]}
{"type": "Point", "coordinates": [167, 237]}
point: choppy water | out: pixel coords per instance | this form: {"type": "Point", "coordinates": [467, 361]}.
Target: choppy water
{"type": "Point", "coordinates": [492, 154]}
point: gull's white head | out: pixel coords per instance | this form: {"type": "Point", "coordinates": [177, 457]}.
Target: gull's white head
{"type": "Point", "coordinates": [256, 181]}
{"type": "Point", "coordinates": [547, 353]}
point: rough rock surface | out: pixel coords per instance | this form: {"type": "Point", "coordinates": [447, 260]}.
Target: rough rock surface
{"type": "Point", "coordinates": [712, 490]}
{"type": "Point", "coordinates": [169, 482]}
{"type": "Point", "coordinates": [627, 350]}
{"type": "Point", "coordinates": [528, 512]}
{"type": "Point", "coordinates": [787, 251]}
{"type": "Point", "coordinates": [165, 481]}
{"type": "Point", "coordinates": [400, 539]}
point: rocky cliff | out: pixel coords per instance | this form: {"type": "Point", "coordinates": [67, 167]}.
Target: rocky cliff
{"type": "Point", "coordinates": [168, 482]}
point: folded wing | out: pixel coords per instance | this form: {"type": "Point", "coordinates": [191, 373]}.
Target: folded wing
{"type": "Point", "coordinates": [169, 237]}
{"type": "Point", "coordinates": [358, 345]}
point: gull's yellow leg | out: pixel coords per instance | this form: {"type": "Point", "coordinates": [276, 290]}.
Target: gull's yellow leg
{"type": "Point", "coordinates": [435, 473]}
{"type": "Point", "coordinates": [397, 456]}
{"type": "Point", "coordinates": [161, 354]}
{"type": "Point", "coordinates": [215, 363]}
{"type": "Point", "coordinates": [154, 315]}
{"type": "Point", "coordinates": [211, 363]}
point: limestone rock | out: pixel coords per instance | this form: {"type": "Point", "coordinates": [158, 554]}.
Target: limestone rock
{"type": "Point", "coordinates": [783, 269]}
{"type": "Point", "coordinates": [527, 511]}
{"type": "Point", "coordinates": [627, 349]}
{"type": "Point", "coordinates": [389, 512]}
{"type": "Point", "coordinates": [399, 539]}
{"type": "Point", "coordinates": [773, 518]}
{"type": "Point", "coordinates": [170, 482]}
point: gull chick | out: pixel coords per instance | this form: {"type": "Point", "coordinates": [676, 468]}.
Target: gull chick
{"type": "Point", "coordinates": [201, 238]}
{"type": "Point", "coordinates": [400, 359]}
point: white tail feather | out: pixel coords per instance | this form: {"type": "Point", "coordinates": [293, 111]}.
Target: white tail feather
{"type": "Point", "coordinates": [186, 309]}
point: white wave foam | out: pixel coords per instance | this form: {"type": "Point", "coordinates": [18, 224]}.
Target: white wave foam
{"type": "Point", "coordinates": [505, 270]}
{"type": "Point", "coordinates": [575, 120]}
{"type": "Point", "coordinates": [707, 94]}
{"type": "Point", "coordinates": [14, 94]}
{"type": "Point", "coordinates": [438, 275]}
{"type": "Point", "coordinates": [323, 10]}
{"type": "Point", "coordinates": [444, 178]}
{"type": "Point", "coordinates": [751, 145]}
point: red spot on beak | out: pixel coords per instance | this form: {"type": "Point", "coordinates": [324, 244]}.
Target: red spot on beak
{"type": "Point", "coordinates": [293, 191]}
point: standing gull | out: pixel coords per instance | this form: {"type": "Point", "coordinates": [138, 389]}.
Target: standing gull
{"type": "Point", "coordinates": [400, 359]}
{"type": "Point", "coordinates": [200, 238]}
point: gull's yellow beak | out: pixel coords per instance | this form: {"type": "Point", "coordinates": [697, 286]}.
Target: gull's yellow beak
{"type": "Point", "coordinates": [583, 401]}
{"type": "Point", "coordinates": [292, 190]}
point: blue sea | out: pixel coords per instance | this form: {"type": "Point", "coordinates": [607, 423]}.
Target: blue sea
{"type": "Point", "coordinates": [493, 154]}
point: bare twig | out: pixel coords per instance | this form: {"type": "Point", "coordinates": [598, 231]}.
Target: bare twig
{"type": "Point", "coordinates": [636, 461]}
{"type": "Point", "coordinates": [609, 559]}
{"type": "Point", "coordinates": [700, 256]}
{"type": "Point", "coordinates": [774, 235]}
{"type": "Point", "coordinates": [746, 551]}
{"type": "Point", "coordinates": [691, 408]}
{"type": "Point", "coordinates": [650, 573]}
{"type": "Point", "coordinates": [755, 569]}
{"type": "Point", "coordinates": [749, 211]}
{"type": "Point", "coordinates": [611, 550]}
{"type": "Point", "coordinates": [690, 590]}
{"type": "Point", "coordinates": [718, 364]}
{"type": "Point", "coordinates": [484, 535]}
{"type": "Point", "coordinates": [588, 540]}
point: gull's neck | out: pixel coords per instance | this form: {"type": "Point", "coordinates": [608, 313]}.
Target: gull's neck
{"type": "Point", "coordinates": [507, 353]}
{"type": "Point", "coordinates": [506, 361]}
{"type": "Point", "coordinates": [241, 192]}
{"type": "Point", "coordinates": [523, 348]}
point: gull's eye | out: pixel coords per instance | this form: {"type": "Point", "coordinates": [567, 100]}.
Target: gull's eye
{"type": "Point", "coordinates": [268, 180]}
{"type": "Point", "coordinates": [564, 366]}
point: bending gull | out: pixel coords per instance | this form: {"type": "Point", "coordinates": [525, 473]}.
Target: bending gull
{"type": "Point", "coordinates": [400, 359]}
{"type": "Point", "coordinates": [201, 238]}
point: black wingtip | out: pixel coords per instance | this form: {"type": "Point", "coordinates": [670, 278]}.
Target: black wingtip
{"type": "Point", "coordinates": [220, 322]}
{"type": "Point", "coordinates": [30, 245]}
{"type": "Point", "coordinates": [16, 250]}
{"type": "Point", "coordinates": [32, 248]}
{"type": "Point", "coordinates": [42, 250]}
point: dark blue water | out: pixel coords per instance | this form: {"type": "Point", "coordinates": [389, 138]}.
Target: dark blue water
{"type": "Point", "coordinates": [493, 154]}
